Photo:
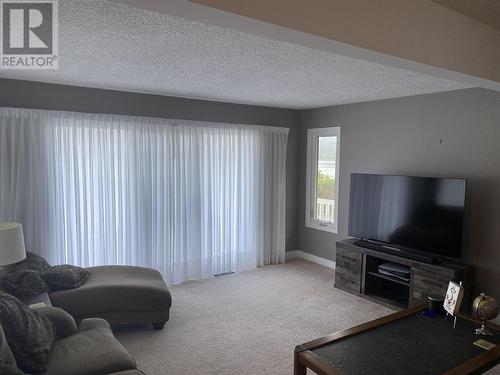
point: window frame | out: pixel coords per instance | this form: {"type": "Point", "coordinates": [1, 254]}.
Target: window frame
{"type": "Point", "coordinates": [313, 136]}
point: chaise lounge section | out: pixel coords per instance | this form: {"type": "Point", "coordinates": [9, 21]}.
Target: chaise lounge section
{"type": "Point", "coordinates": [121, 295]}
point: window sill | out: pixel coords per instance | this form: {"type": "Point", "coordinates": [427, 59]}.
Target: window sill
{"type": "Point", "coordinates": [325, 228]}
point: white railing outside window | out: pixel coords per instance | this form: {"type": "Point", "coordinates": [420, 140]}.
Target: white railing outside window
{"type": "Point", "coordinates": [325, 210]}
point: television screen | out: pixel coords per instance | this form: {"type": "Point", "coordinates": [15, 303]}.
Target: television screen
{"type": "Point", "coordinates": [420, 213]}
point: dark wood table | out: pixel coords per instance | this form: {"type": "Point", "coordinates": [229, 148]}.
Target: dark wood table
{"type": "Point", "coordinates": [407, 342]}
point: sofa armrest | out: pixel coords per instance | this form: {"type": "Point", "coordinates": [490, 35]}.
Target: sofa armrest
{"type": "Point", "coordinates": [65, 324]}
{"type": "Point", "coordinates": [93, 323]}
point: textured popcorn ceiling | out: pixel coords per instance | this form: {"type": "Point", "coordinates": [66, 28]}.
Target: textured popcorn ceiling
{"type": "Point", "coordinates": [109, 45]}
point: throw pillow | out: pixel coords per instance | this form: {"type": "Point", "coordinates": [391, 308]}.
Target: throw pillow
{"type": "Point", "coordinates": [65, 277]}
{"type": "Point", "coordinates": [29, 334]}
{"type": "Point", "coordinates": [24, 283]}
{"type": "Point", "coordinates": [32, 262]}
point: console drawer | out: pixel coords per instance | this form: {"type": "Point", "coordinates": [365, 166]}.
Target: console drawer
{"type": "Point", "coordinates": [348, 265]}
{"type": "Point", "coordinates": [348, 282]}
{"type": "Point", "coordinates": [418, 298]}
{"type": "Point", "coordinates": [348, 254]}
{"type": "Point", "coordinates": [428, 283]}
{"type": "Point", "coordinates": [429, 272]}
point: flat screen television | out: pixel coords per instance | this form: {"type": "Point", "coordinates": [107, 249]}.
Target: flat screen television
{"type": "Point", "coordinates": [419, 214]}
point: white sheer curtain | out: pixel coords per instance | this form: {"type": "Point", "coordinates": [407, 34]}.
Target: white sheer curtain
{"type": "Point", "coordinates": [188, 198]}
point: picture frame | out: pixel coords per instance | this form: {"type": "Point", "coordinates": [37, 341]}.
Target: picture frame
{"type": "Point", "coordinates": [453, 298]}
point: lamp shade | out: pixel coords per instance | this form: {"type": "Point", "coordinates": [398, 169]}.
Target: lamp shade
{"type": "Point", "coordinates": [12, 248]}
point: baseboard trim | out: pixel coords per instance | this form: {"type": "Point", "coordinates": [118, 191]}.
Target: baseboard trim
{"type": "Point", "coordinates": [310, 257]}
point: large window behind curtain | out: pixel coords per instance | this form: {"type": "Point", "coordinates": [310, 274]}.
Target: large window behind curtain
{"type": "Point", "coordinates": [188, 198]}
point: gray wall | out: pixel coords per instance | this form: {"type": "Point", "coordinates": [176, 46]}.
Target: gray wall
{"type": "Point", "coordinates": [399, 136]}
{"type": "Point", "coordinates": [402, 136]}
{"type": "Point", "coordinates": [25, 94]}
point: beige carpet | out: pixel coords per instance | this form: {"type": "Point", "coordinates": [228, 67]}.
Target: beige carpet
{"type": "Point", "coordinates": [247, 323]}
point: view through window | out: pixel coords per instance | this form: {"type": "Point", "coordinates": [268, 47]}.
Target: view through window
{"type": "Point", "coordinates": [325, 185]}
{"type": "Point", "coordinates": [322, 178]}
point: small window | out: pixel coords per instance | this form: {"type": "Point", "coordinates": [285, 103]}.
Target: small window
{"type": "Point", "coordinates": [322, 178]}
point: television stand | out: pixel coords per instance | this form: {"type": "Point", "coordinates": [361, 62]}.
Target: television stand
{"type": "Point", "coordinates": [357, 272]}
{"type": "Point", "coordinates": [413, 254]}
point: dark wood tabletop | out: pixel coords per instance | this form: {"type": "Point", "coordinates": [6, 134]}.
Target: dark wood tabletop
{"type": "Point", "coordinates": [407, 342]}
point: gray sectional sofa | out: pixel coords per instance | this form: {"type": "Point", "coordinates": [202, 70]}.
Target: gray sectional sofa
{"type": "Point", "coordinates": [82, 314]}
{"type": "Point", "coordinates": [89, 349]}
